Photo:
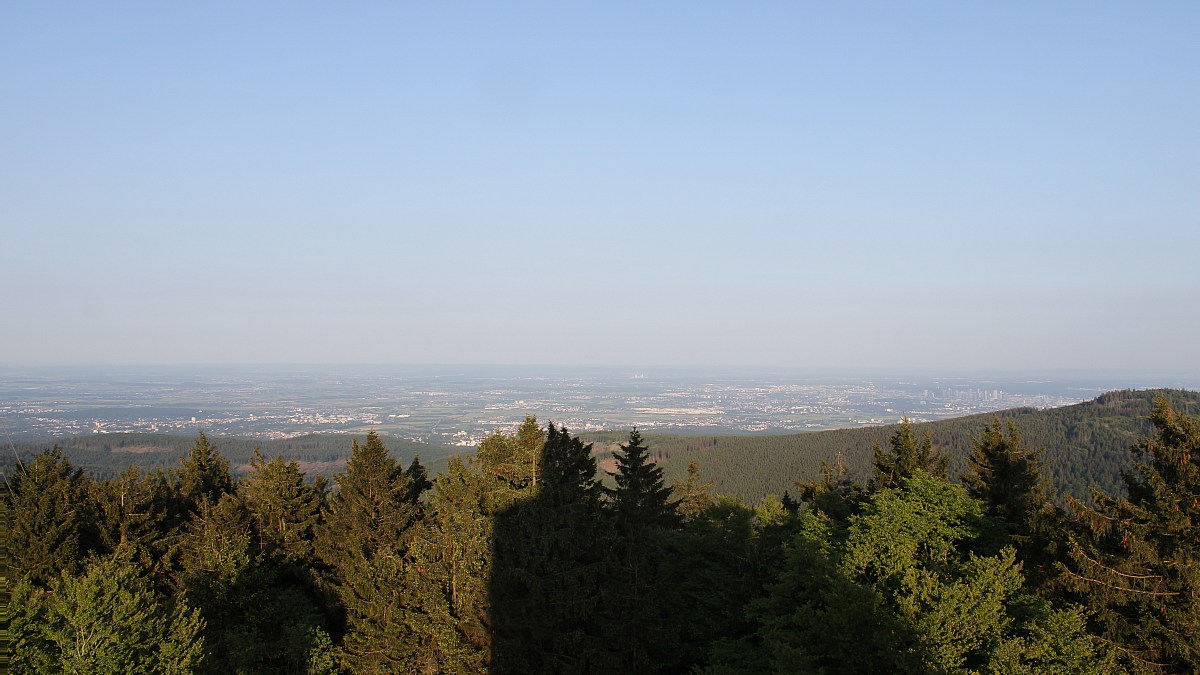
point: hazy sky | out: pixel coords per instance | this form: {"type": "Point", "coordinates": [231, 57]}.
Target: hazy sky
{"type": "Point", "coordinates": [951, 185]}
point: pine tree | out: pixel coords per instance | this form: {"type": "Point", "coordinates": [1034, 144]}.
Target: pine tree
{"type": "Point", "coordinates": [640, 500]}
{"type": "Point", "coordinates": [694, 496]}
{"type": "Point", "coordinates": [362, 542]}
{"type": "Point", "coordinates": [132, 511]}
{"type": "Point", "coordinates": [259, 618]}
{"type": "Point", "coordinates": [285, 508]}
{"type": "Point", "coordinates": [204, 477]}
{"type": "Point", "coordinates": [637, 611]}
{"type": "Point", "coordinates": [1006, 476]}
{"type": "Point", "coordinates": [371, 510]}
{"type": "Point", "coordinates": [109, 620]}
{"type": "Point", "coordinates": [550, 554]}
{"type": "Point", "coordinates": [835, 496]}
{"type": "Point", "coordinates": [443, 597]}
{"type": "Point", "coordinates": [1136, 564]}
{"type": "Point", "coordinates": [43, 515]}
{"type": "Point", "coordinates": [514, 459]}
{"type": "Point", "coordinates": [904, 457]}
{"type": "Point", "coordinates": [418, 480]}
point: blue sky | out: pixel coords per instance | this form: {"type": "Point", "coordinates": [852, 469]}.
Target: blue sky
{"type": "Point", "coordinates": [943, 185]}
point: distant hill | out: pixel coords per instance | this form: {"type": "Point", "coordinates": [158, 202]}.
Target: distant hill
{"type": "Point", "coordinates": [105, 455]}
{"type": "Point", "coordinates": [1086, 444]}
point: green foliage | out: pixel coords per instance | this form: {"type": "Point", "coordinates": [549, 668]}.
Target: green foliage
{"type": "Point", "coordinates": [284, 507]}
{"type": "Point", "coordinates": [905, 456]}
{"type": "Point", "coordinates": [548, 576]}
{"type": "Point", "coordinates": [371, 510]}
{"type": "Point", "coordinates": [132, 511]}
{"type": "Point", "coordinates": [107, 620]}
{"type": "Point", "coordinates": [514, 459]}
{"type": "Point", "coordinates": [1136, 562]}
{"type": "Point", "coordinates": [43, 510]}
{"type": "Point", "coordinates": [898, 589]}
{"type": "Point", "coordinates": [445, 607]}
{"type": "Point", "coordinates": [1005, 474]}
{"type": "Point", "coordinates": [259, 619]}
{"type": "Point", "coordinates": [204, 477]}
{"type": "Point", "coordinates": [694, 496]}
{"type": "Point", "coordinates": [362, 543]}
{"type": "Point", "coordinates": [640, 500]}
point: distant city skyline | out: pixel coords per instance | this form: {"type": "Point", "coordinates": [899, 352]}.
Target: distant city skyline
{"type": "Point", "coordinates": [946, 186]}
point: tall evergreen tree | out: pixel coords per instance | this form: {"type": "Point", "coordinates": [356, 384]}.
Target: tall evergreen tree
{"type": "Point", "coordinates": [204, 477]}
{"type": "Point", "coordinates": [362, 542]}
{"type": "Point", "coordinates": [549, 567]}
{"type": "Point", "coordinates": [904, 457]}
{"type": "Point", "coordinates": [442, 584]}
{"type": "Point", "coordinates": [1006, 476]}
{"type": "Point", "coordinates": [418, 480]}
{"type": "Point", "coordinates": [371, 509]}
{"type": "Point", "coordinates": [259, 619]}
{"type": "Point", "coordinates": [514, 459]}
{"type": "Point", "coordinates": [637, 609]}
{"type": "Point", "coordinates": [694, 495]}
{"type": "Point", "coordinates": [640, 499]}
{"type": "Point", "coordinates": [285, 508]}
{"type": "Point", "coordinates": [133, 512]}
{"type": "Point", "coordinates": [1136, 564]}
{"type": "Point", "coordinates": [43, 516]}
{"type": "Point", "coordinates": [106, 620]}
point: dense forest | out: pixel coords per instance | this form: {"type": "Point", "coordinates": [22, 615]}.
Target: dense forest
{"type": "Point", "coordinates": [525, 559]}
{"type": "Point", "coordinates": [1086, 445]}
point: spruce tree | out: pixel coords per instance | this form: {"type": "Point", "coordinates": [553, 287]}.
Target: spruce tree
{"type": "Point", "coordinates": [371, 509]}
{"type": "Point", "coordinates": [549, 567]}
{"type": "Point", "coordinates": [204, 477]}
{"type": "Point", "coordinates": [1136, 562]}
{"type": "Point", "coordinates": [362, 543]}
{"type": "Point", "coordinates": [106, 620]}
{"type": "Point", "coordinates": [638, 611]}
{"type": "Point", "coordinates": [904, 457]}
{"type": "Point", "coordinates": [1006, 476]}
{"type": "Point", "coordinates": [694, 495]}
{"type": "Point", "coordinates": [285, 508]}
{"type": "Point", "coordinates": [640, 500]}
{"type": "Point", "coordinates": [133, 511]}
{"type": "Point", "coordinates": [43, 515]}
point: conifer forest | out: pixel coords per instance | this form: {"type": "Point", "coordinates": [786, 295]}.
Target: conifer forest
{"type": "Point", "coordinates": [525, 558]}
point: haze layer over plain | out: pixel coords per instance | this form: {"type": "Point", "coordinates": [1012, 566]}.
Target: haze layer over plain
{"type": "Point", "coordinates": [940, 185]}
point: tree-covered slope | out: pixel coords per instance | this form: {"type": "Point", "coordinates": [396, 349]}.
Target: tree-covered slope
{"type": "Point", "coordinates": [1085, 444]}
{"type": "Point", "coordinates": [106, 455]}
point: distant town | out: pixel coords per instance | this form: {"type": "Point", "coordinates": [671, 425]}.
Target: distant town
{"type": "Point", "coordinates": [459, 406]}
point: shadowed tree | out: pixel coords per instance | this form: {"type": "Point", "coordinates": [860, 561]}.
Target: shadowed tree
{"type": "Point", "coordinates": [640, 500]}
{"type": "Point", "coordinates": [641, 627]}
{"type": "Point", "coordinates": [548, 577]}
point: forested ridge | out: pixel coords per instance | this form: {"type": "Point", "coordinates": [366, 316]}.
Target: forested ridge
{"type": "Point", "coordinates": [520, 559]}
{"type": "Point", "coordinates": [107, 455]}
{"type": "Point", "coordinates": [1086, 445]}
